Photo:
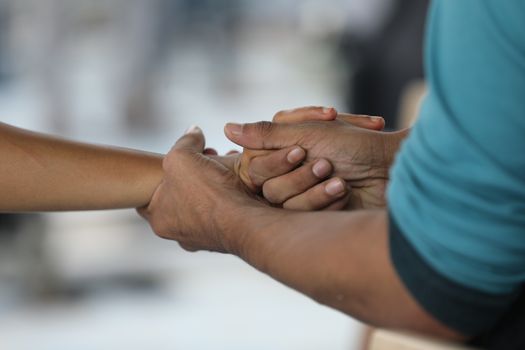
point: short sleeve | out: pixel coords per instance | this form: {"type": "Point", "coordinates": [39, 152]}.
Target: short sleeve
{"type": "Point", "coordinates": [457, 192]}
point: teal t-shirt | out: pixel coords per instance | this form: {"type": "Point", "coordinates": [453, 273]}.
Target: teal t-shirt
{"type": "Point", "coordinates": [457, 191]}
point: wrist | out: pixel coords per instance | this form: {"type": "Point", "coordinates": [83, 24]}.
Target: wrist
{"type": "Point", "coordinates": [142, 182]}
{"type": "Point", "coordinates": [241, 228]}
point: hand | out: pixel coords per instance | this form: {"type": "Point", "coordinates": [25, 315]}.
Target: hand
{"type": "Point", "coordinates": [196, 193]}
{"type": "Point", "coordinates": [203, 205]}
{"type": "Point", "coordinates": [361, 157]}
{"type": "Point", "coordinates": [285, 182]}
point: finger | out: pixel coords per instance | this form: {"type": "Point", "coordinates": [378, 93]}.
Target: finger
{"type": "Point", "coordinates": [192, 140]}
{"type": "Point", "coordinates": [210, 152]}
{"type": "Point", "coordinates": [228, 161]}
{"type": "Point", "coordinates": [188, 247]}
{"type": "Point", "coordinates": [262, 135]}
{"type": "Point", "coordinates": [274, 164]}
{"type": "Point", "coordinates": [305, 114]}
{"type": "Point", "coordinates": [340, 204]}
{"type": "Point", "coordinates": [232, 152]}
{"type": "Point", "coordinates": [280, 189]}
{"type": "Point", "coordinates": [318, 197]}
{"type": "Point", "coordinates": [243, 163]}
{"type": "Point", "coordinates": [363, 121]}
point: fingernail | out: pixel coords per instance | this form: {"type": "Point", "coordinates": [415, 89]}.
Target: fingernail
{"type": "Point", "coordinates": [321, 168]}
{"type": "Point", "coordinates": [328, 110]}
{"type": "Point", "coordinates": [376, 119]}
{"type": "Point", "coordinates": [235, 129]}
{"type": "Point", "coordinates": [334, 188]}
{"type": "Point", "coordinates": [194, 129]}
{"type": "Point", "coordinates": [295, 155]}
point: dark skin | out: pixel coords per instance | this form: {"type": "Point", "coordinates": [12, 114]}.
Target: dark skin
{"type": "Point", "coordinates": [360, 159]}
{"type": "Point", "coordinates": [340, 259]}
{"type": "Point", "coordinates": [286, 178]}
{"type": "Point", "coordinates": [221, 214]}
{"type": "Point", "coordinates": [45, 173]}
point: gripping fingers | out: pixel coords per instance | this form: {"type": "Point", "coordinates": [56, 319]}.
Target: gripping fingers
{"type": "Point", "coordinates": [340, 204]}
{"type": "Point", "coordinates": [280, 189]}
{"type": "Point", "coordinates": [321, 196]}
{"type": "Point", "coordinates": [363, 121]}
{"type": "Point", "coordinates": [305, 114]}
{"type": "Point", "coordinates": [275, 163]}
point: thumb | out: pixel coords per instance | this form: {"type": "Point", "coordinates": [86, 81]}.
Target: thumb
{"type": "Point", "coordinates": [192, 140]}
{"type": "Point", "coordinates": [363, 121]}
{"type": "Point", "coordinates": [262, 135]}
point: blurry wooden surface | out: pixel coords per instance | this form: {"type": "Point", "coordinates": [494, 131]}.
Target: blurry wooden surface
{"type": "Point", "coordinates": [410, 103]}
{"type": "Point", "coordinates": [390, 340]}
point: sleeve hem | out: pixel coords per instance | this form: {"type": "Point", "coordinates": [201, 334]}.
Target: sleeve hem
{"type": "Point", "coordinates": [466, 310]}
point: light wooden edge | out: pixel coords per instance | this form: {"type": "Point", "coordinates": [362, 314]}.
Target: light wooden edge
{"type": "Point", "coordinates": [390, 340]}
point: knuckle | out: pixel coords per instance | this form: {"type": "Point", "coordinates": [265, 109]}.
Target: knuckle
{"type": "Point", "coordinates": [263, 128]}
{"type": "Point", "coordinates": [279, 115]}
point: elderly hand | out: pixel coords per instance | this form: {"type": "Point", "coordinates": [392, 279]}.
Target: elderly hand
{"type": "Point", "coordinates": [283, 178]}
{"type": "Point", "coordinates": [359, 156]}
{"type": "Point", "coordinates": [196, 193]}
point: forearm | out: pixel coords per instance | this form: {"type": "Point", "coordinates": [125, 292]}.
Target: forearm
{"type": "Point", "coordinates": [322, 254]}
{"type": "Point", "coordinates": [43, 173]}
{"type": "Point", "coordinates": [339, 259]}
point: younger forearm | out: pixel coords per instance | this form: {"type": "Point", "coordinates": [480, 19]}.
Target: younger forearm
{"type": "Point", "coordinates": [43, 173]}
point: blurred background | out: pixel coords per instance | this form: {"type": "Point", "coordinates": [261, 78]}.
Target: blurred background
{"type": "Point", "coordinates": [137, 73]}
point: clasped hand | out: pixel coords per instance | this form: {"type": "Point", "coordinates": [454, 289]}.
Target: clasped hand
{"type": "Point", "coordinates": [306, 159]}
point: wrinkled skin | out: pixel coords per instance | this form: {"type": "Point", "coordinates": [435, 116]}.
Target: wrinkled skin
{"type": "Point", "coordinates": [361, 157]}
